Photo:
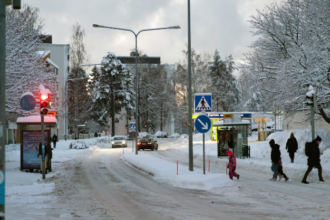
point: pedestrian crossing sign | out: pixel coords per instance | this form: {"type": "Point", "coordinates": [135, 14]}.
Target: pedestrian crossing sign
{"type": "Point", "coordinates": [132, 126]}
{"type": "Point", "coordinates": [203, 102]}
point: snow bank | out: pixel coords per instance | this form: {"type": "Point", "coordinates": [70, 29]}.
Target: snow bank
{"type": "Point", "coordinates": [302, 137]}
{"type": "Point", "coordinates": [165, 171]}
{"type": "Point", "coordinates": [86, 143]}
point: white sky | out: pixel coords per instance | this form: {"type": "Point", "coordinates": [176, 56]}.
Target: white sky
{"type": "Point", "coordinates": [216, 24]}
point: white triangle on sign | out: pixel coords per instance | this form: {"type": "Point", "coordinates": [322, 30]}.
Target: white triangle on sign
{"type": "Point", "coordinates": [203, 104]}
{"type": "Point", "coordinates": [133, 127]}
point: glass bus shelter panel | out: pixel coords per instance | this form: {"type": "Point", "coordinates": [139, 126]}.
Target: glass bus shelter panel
{"type": "Point", "coordinates": [226, 141]}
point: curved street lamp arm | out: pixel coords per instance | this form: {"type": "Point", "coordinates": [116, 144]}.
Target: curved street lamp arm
{"type": "Point", "coordinates": [157, 29]}
{"type": "Point", "coordinates": [115, 28]}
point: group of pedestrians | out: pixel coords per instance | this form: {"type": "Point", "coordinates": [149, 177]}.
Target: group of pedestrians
{"type": "Point", "coordinates": [312, 151]}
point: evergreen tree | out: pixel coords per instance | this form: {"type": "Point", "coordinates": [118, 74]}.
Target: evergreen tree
{"type": "Point", "coordinates": [225, 93]}
{"type": "Point", "coordinates": [112, 90]}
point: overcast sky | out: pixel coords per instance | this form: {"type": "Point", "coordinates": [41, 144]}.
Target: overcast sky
{"type": "Point", "coordinates": [215, 24]}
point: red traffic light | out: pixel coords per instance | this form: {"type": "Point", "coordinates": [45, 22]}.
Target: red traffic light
{"type": "Point", "coordinates": [44, 96]}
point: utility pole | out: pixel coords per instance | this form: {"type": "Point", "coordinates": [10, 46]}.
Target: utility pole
{"type": "Point", "coordinates": [191, 163]}
{"type": "Point", "coordinates": [16, 5]}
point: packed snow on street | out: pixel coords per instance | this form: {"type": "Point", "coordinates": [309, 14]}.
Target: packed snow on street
{"type": "Point", "coordinates": [92, 180]}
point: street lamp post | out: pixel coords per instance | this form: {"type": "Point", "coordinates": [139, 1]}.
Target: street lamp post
{"type": "Point", "coordinates": [191, 164]}
{"type": "Point", "coordinates": [136, 63]}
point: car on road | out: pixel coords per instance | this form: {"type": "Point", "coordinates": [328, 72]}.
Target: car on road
{"type": "Point", "coordinates": [147, 143]}
{"type": "Point", "coordinates": [161, 134]}
{"type": "Point", "coordinates": [119, 141]}
{"type": "Point", "coordinates": [175, 135]}
{"type": "Point", "coordinates": [184, 135]}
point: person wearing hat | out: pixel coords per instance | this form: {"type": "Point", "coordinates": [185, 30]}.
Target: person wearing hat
{"type": "Point", "coordinates": [314, 160]}
{"type": "Point", "coordinates": [232, 165]}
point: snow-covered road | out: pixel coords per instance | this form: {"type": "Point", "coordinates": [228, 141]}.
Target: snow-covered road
{"type": "Point", "coordinates": [102, 186]}
{"type": "Point", "coordinates": [98, 184]}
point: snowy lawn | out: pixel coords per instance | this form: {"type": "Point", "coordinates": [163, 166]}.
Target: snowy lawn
{"type": "Point", "coordinates": [260, 153]}
{"type": "Point", "coordinates": [165, 171]}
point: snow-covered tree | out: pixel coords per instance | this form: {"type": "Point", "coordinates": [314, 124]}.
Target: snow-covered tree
{"type": "Point", "coordinates": [225, 93]}
{"type": "Point", "coordinates": [292, 53]}
{"type": "Point", "coordinates": [25, 68]}
{"type": "Point", "coordinates": [112, 91]}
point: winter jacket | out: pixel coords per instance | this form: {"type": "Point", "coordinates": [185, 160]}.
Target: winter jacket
{"type": "Point", "coordinates": [314, 157]}
{"type": "Point", "coordinates": [232, 164]}
{"type": "Point", "coordinates": [275, 154]}
{"type": "Point", "coordinates": [292, 145]}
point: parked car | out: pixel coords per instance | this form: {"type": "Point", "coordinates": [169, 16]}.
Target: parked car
{"type": "Point", "coordinates": [147, 143]}
{"type": "Point", "coordinates": [161, 134]}
{"type": "Point", "coordinates": [175, 135]}
{"type": "Point", "coordinates": [119, 141]}
{"type": "Point", "coordinates": [144, 134]}
{"type": "Point", "coordinates": [184, 135]}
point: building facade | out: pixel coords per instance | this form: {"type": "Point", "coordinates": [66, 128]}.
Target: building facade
{"type": "Point", "coordinates": [59, 55]}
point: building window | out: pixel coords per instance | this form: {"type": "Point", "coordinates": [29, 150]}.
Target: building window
{"type": "Point", "coordinates": [68, 57]}
{"type": "Point", "coordinates": [68, 69]}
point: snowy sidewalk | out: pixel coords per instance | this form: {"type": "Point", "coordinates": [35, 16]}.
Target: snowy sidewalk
{"type": "Point", "coordinates": [165, 171]}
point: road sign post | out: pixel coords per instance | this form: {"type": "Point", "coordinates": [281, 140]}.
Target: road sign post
{"type": "Point", "coordinates": [203, 125]}
{"type": "Point", "coordinates": [132, 128]}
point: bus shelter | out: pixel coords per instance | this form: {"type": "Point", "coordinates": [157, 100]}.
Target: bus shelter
{"type": "Point", "coordinates": [29, 134]}
{"type": "Point", "coordinates": [233, 136]}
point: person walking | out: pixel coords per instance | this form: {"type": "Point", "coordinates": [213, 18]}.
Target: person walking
{"type": "Point", "coordinates": [292, 146]}
{"type": "Point", "coordinates": [280, 170]}
{"type": "Point", "coordinates": [275, 157]}
{"type": "Point", "coordinates": [54, 140]}
{"type": "Point", "coordinates": [232, 165]}
{"type": "Point", "coordinates": [313, 152]}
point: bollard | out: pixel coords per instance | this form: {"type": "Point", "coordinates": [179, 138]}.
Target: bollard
{"type": "Point", "coordinates": [177, 167]}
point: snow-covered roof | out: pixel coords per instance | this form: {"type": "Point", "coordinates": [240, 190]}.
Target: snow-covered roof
{"type": "Point", "coordinates": [27, 93]}
{"type": "Point", "coordinates": [44, 90]}
{"type": "Point", "coordinates": [43, 53]}
{"type": "Point", "coordinates": [222, 123]}
{"type": "Point", "coordinates": [52, 63]}
{"type": "Point", "coordinates": [36, 119]}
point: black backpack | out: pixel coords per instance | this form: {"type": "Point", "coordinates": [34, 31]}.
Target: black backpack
{"type": "Point", "coordinates": [308, 146]}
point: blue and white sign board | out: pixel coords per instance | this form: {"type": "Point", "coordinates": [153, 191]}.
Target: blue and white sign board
{"type": "Point", "coordinates": [132, 126]}
{"type": "Point", "coordinates": [203, 123]}
{"type": "Point", "coordinates": [28, 102]}
{"type": "Point", "coordinates": [2, 187]}
{"type": "Point", "coordinates": [203, 102]}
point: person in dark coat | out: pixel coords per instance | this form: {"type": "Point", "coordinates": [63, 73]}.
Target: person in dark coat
{"type": "Point", "coordinates": [292, 146]}
{"type": "Point", "coordinates": [275, 157]}
{"type": "Point", "coordinates": [95, 134]}
{"type": "Point", "coordinates": [314, 160]}
{"type": "Point", "coordinates": [54, 140]}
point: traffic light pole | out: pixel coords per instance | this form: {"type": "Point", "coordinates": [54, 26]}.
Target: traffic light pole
{"type": "Point", "coordinates": [76, 121]}
{"type": "Point", "coordinates": [43, 147]}
{"type": "Point", "coordinates": [312, 116]}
